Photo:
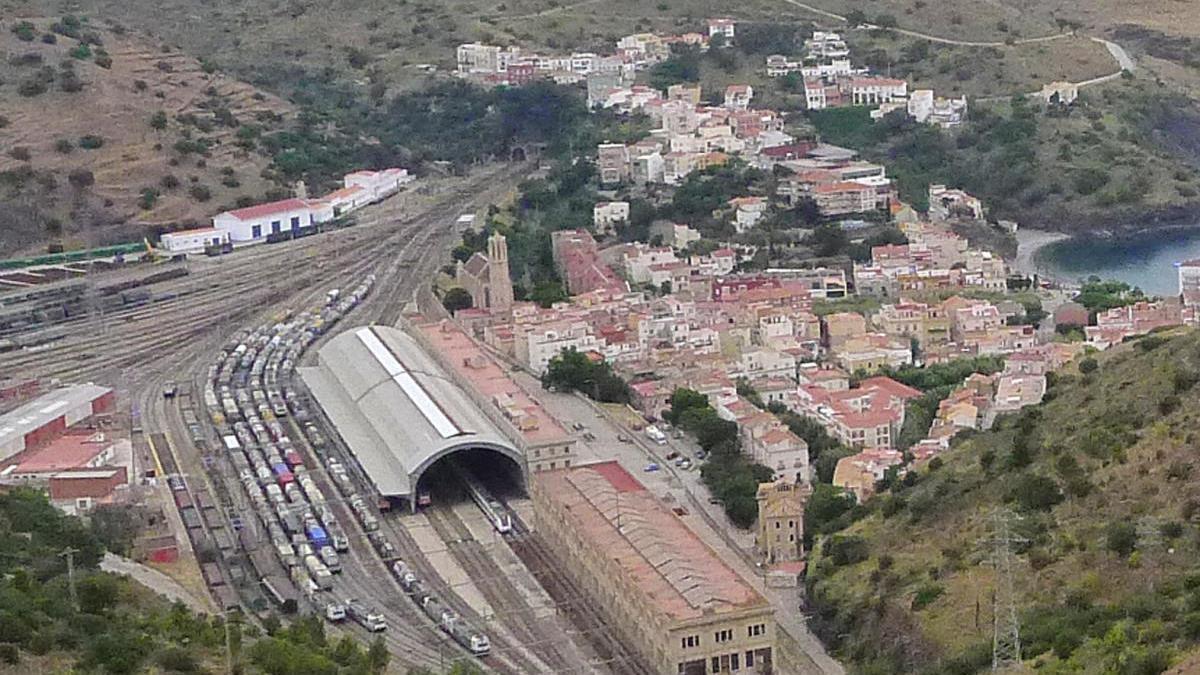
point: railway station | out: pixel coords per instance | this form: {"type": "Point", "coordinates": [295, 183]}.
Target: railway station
{"type": "Point", "coordinates": [400, 413]}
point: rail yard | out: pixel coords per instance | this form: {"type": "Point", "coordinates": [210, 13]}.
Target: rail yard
{"type": "Point", "coordinates": [282, 506]}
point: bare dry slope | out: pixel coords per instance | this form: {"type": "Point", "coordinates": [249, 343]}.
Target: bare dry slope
{"type": "Point", "coordinates": [198, 155]}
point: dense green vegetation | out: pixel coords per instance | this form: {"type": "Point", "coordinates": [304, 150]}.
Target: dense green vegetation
{"type": "Point", "coordinates": [575, 371]}
{"type": "Point", "coordinates": [1108, 580]}
{"type": "Point", "coordinates": [450, 121]}
{"type": "Point", "coordinates": [1022, 159]}
{"type": "Point", "coordinates": [936, 382]}
{"type": "Point", "coordinates": [729, 474]}
{"type": "Point", "coordinates": [120, 627]}
{"type": "Point", "coordinates": [824, 450]}
{"type": "Point", "coordinates": [1100, 296]}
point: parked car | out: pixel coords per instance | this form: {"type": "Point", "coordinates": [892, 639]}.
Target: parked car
{"type": "Point", "coordinates": [623, 438]}
{"type": "Point", "coordinates": [672, 454]}
{"type": "Point", "coordinates": [651, 467]}
{"type": "Point", "coordinates": [589, 436]}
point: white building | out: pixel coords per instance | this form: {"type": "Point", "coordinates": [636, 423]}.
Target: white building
{"type": "Point", "coordinates": [542, 343]}
{"type": "Point", "coordinates": [876, 90]}
{"type": "Point", "coordinates": [605, 215]}
{"type": "Point", "coordinates": [738, 96]}
{"type": "Point", "coordinates": [722, 27]}
{"type": "Point", "coordinates": [478, 58]}
{"type": "Point", "coordinates": [253, 224]}
{"type": "Point", "coordinates": [826, 45]}
{"type": "Point", "coordinates": [378, 184]}
{"type": "Point", "coordinates": [1189, 281]}
{"type": "Point", "coordinates": [779, 65]}
{"type": "Point", "coordinates": [926, 108]}
{"type": "Point", "coordinates": [945, 203]}
{"type": "Point", "coordinates": [747, 212]}
{"type": "Point", "coordinates": [189, 241]}
{"type": "Point", "coordinates": [345, 200]}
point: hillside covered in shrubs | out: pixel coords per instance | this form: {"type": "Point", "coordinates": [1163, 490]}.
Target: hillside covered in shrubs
{"type": "Point", "coordinates": [1100, 482]}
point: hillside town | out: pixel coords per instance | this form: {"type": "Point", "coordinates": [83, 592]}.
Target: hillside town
{"type": "Point", "coordinates": [668, 318]}
{"type": "Point", "coordinates": [670, 352]}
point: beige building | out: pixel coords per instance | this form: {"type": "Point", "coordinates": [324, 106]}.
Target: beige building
{"type": "Point", "coordinates": [781, 520]}
{"type": "Point", "coordinates": [674, 599]}
{"type": "Point", "coordinates": [843, 326]}
{"type": "Point", "coordinates": [486, 278]}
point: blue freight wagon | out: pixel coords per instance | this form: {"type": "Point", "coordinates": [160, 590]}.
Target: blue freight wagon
{"type": "Point", "coordinates": [317, 536]}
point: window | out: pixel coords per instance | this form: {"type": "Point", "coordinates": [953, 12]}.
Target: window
{"type": "Point", "coordinates": [691, 641]}
{"type": "Point", "coordinates": [295, 223]}
{"type": "Point", "coordinates": [276, 226]}
{"type": "Point", "coordinates": [723, 635]}
{"type": "Point", "coordinates": [755, 631]}
{"type": "Point", "coordinates": [733, 662]}
{"type": "Point", "coordinates": [716, 664]}
{"type": "Point", "coordinates": [777, 524]}
{"type": "Point", "coordinates": [256, 231]}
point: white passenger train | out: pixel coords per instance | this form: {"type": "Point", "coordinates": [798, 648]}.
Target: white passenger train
{"type": "Point", "coordinates": [496, 512]}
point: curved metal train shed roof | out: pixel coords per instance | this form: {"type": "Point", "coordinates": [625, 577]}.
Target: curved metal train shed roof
{"type": "Point", "coordinates": [395, 407]}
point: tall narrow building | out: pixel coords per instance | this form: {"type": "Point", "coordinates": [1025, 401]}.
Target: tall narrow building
{"type": "Point", "coordinates": [486, 278]}
{"type": "Point", "coordinates": [499, 283]}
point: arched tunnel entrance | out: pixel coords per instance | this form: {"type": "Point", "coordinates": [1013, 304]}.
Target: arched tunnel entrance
{"type": "Point", "coordinates": [496, 472]}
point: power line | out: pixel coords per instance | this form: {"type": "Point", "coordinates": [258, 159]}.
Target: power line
{"type": "Point", "coordinates": [69, 553]}
{"type": "Point", "coordinates": [1006, 627]}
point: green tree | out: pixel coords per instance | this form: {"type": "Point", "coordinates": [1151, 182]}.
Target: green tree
{"type": "Point", "coordinates": [378, 655]}
{"type": "Point", "coordinates": [682, 400]}
{"type": "Point", "coordinates": [1035, 492]}
{"type": "Point", "coordinates": [1120, 538]}
{"type": "Point", "coordinates": [158, 121]}
{"type": "Point", "coordinates": [457, 298]}
{"type": "Point", "coordinates": [547, 293]}
{"type": "Point", "coordinates": [825, 506]}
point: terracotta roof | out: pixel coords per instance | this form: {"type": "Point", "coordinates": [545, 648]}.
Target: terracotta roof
{"type": "Point", "coordinates": [269, 209]}
{"type": "Point", "coordinates": [476, 265]}
{"type": "Point", "coordinates": [676, 572]}
{"type": "Point", "coordinates": [198, 230]}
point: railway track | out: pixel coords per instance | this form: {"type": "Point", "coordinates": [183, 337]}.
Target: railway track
{"type": "Point", "coordinates": [504, 599]}
{"type": "Point", "coordinates": [142, 347]}
{"type": "Point", "coordinates": [574, 601]}
{"type": "Point", "coordinates": [263, 276]}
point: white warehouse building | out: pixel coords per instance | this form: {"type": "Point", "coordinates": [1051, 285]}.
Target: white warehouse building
{"type": "Point", "coordinates": [252, 224]}
{"type": "Point", "coordinates": [188, 241]}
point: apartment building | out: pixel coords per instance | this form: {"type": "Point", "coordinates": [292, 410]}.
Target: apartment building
{"type": "Point", "coordinates": [679, 605]}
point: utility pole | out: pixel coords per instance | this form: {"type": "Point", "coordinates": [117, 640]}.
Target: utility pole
{"type": "Point", "coordinates": [69, 554]}
{"type": "Point", "coordinates": [1006, 628]}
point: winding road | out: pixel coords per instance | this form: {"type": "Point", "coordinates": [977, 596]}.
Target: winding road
{"type": "Point", "coordinates": [1124, 61]}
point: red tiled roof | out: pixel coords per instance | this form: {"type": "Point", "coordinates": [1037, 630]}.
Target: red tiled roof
{"type": "Point", "coordinates": [270, 208]}
{"type": "Point", "coordinates": [617, 476]}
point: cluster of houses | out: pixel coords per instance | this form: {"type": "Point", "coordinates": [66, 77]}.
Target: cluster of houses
{"type": "Point", "coordinates": [495, 65]}
{"type": "Point", "coordinates": [256, 224]}
{"type": "Point", "coordinates": [831, 81]}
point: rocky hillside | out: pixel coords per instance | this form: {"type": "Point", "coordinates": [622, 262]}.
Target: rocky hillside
{"type": "Point", "coordinates": [103, 133]}
{"type": "Point", "coordinates": [1101, 482]}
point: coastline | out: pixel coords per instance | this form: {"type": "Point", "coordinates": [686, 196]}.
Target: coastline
{"type": "Point", "coordinates": [1029, 242]}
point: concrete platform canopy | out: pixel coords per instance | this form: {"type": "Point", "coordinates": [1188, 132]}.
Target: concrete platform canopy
{"type": "Point", "coordinates": [396, 408]}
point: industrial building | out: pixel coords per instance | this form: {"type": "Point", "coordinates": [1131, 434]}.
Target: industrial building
{"type": "Point", "coordinates": [190, 241]}
{"type": "Point", "coordinates": [398, 410]}
{"type": "Point", "coordinates": [254, 223]}
{"type": "Point", "coordinates": [678, 603]}
{"type": "Point", "coordinates": [47, 417]}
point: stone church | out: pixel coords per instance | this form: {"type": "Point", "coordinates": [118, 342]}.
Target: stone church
{"type": "Point", "coordinates": [486, 278]}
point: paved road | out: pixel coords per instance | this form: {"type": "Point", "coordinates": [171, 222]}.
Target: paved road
{"type": "Point", "coordinates": [634, 454]}
{"type": "Point", "coordinates": [1122, 57]}
{"type": "Point", "coordinates": [155, 581]}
